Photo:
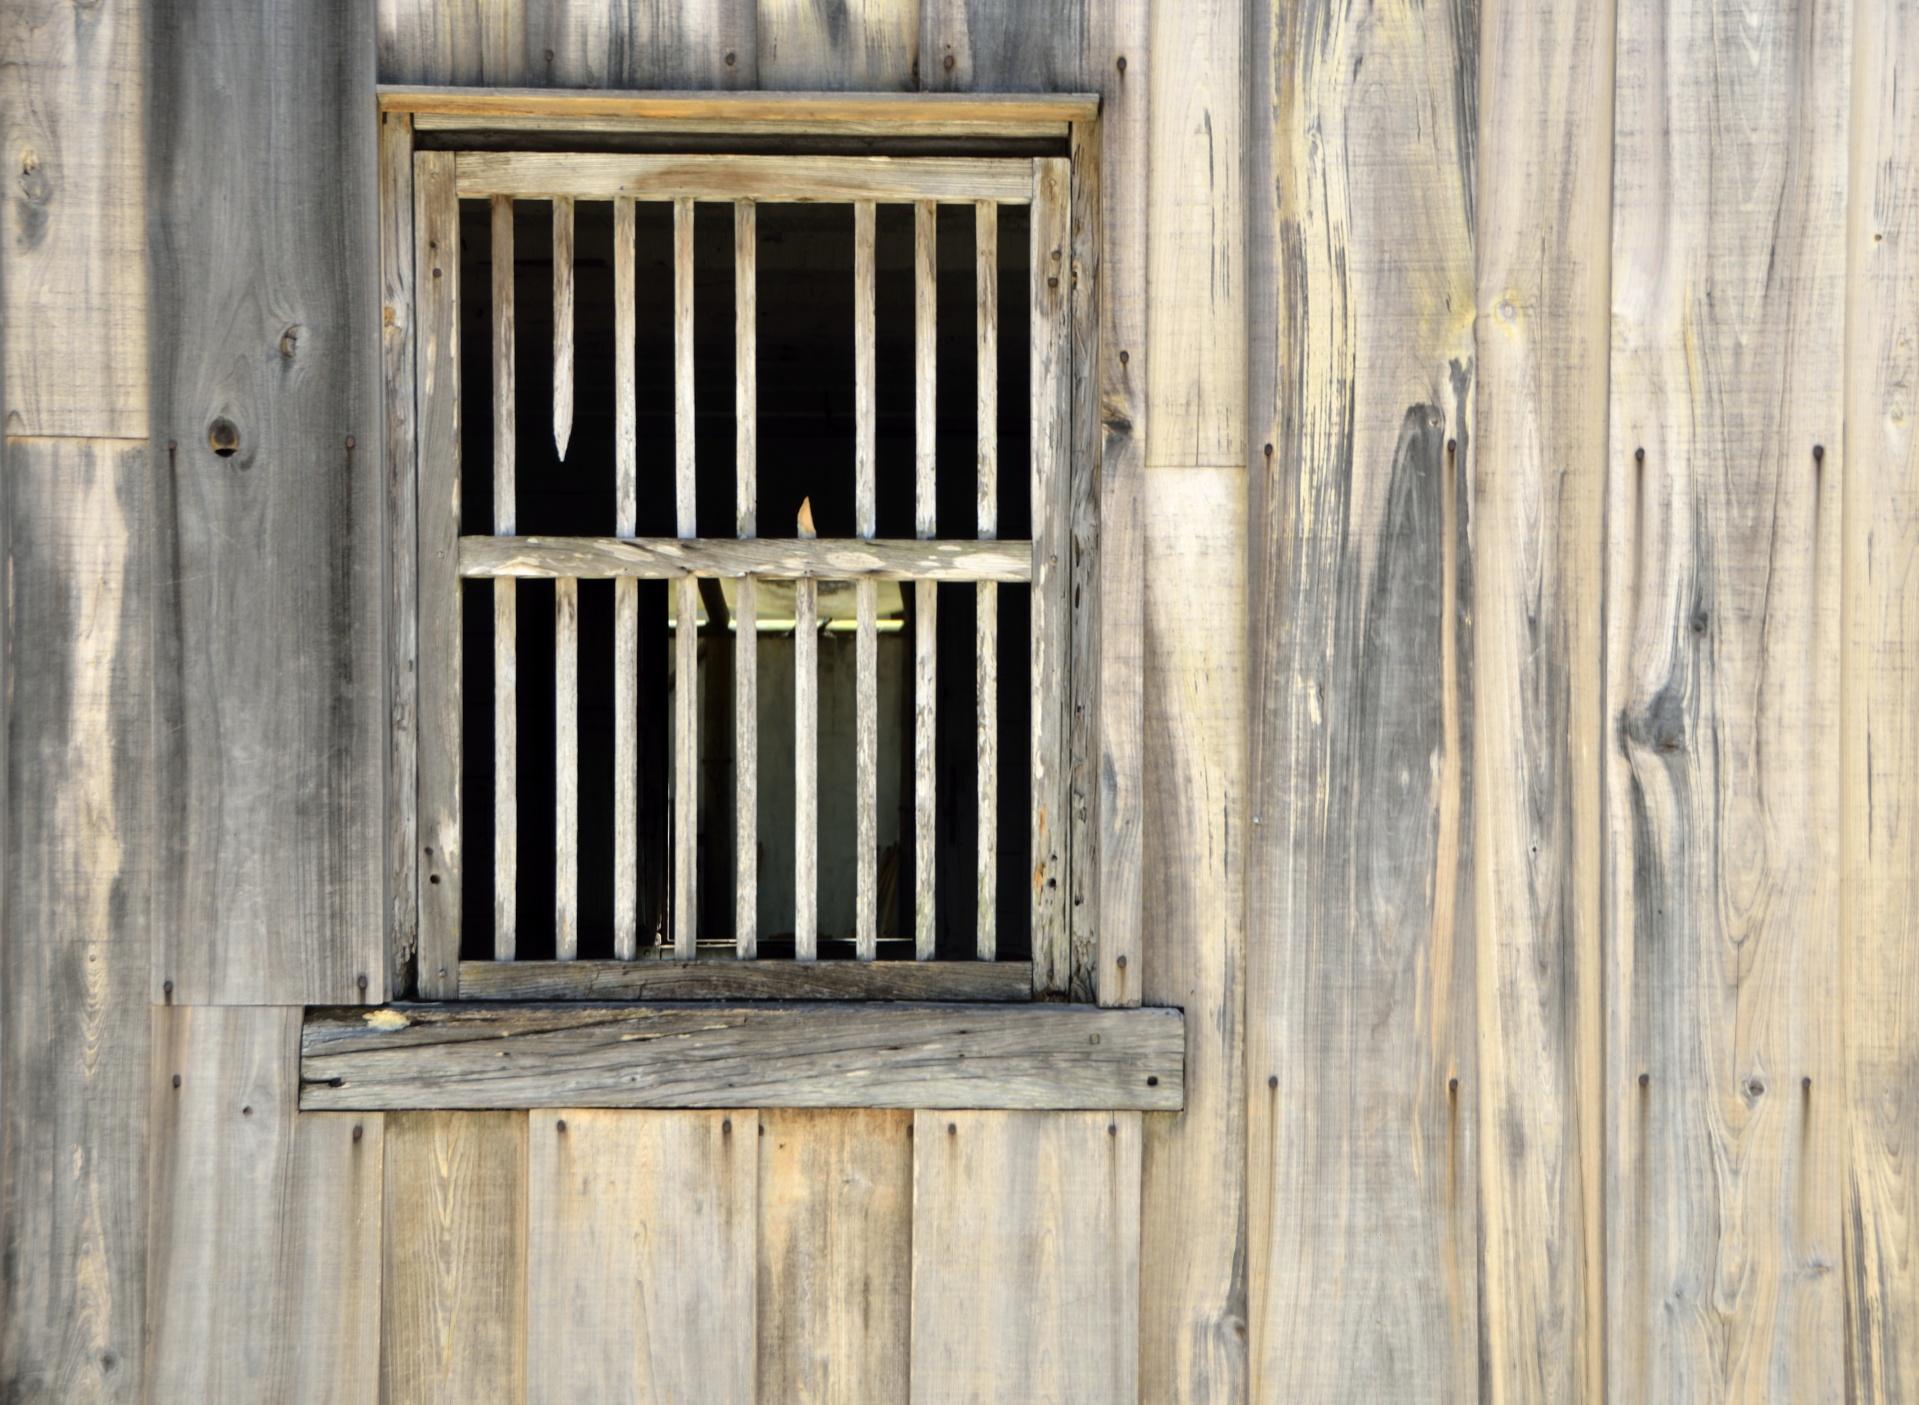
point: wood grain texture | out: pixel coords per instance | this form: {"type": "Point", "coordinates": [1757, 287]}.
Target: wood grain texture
{"type": "Point", "coordinates": [438, 636]}
{"type": "Point", "coordinates": [1043, 113]}
{"type": "Point", "coordinates": [926, 602]}
{"type": "Point", "coordinates": [709, 979]}
{"type": "Point", "coordinates": [80, 778]}
{"type": "Point", "coordinates": [800, 1055]}
{"type": "Point", "coordinates": [1722, 773]}
{"type": "Point", "coordinates": [1362, 1209]}
{"type": "Point", "coordinates": [667, 558]}
{"type": "Point", "coordinates": [626, 598]}
{"type": "Point", "coordinates": [75, 296]}
{"type": "Point", "coordinates": [453, 41]}
{"type": "Point", "coordinates": [686, 765]}
{"type": "Point", "coordinates": [856, 45]}
{"type": "Point", "coordinates": [1082, 516]}
{"type": "Point", "coordinates": [1026, 1257]}
{"type": "Point", "coordinates": [641, 44]}
{"type": "Point", "coordinates": [566, 768]}
{"type": "Point", "coordinates": [641, 1256]}
{"type": "Point", "coordinates": [806, 770]}
{"type": "Point", "coordinates": [1879, 780]}
{"type": "Point", "coordinates": [1193, 1194]}
{"type": "Point", "coordinates": [264, 1257]}
{"type": "Point", "coordinates": [506, 767]}
{"type": "Point", "coordinates": [271, 651]}
{"type": "Point", "coordinates": [562, 323]}
{"type": "Point", "coordinates": [835, 1256]}
{"type": "Point", "coordinates": [832, 179]}
{"type": "Point", "coordinates": [1543, 217]}
{"type": "Point", "coordinates": [1000, 47]}
{"type": "Point", "coordinates": [453, 1267]}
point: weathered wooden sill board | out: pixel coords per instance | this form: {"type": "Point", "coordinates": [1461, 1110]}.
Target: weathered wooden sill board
{"type": "Point", "coordinates": [998, 982]}
{"type": "Point", "coordinates": [669, 558]}
{"type": "Point", "coordinates": [1063, 1057]}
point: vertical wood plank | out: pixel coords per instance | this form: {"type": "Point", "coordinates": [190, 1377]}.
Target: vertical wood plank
{"type": "Point", "coordinates": [859, 46]}
{"type": "Point", "coordinates": [506, 623]}
{"type": "Point", "coordinates": [397, 331]}
{"type": "Point", "coordinates": [626, 599]}
{"type": "Point", "coordinates": [1362, 1222]}
{"type": "Point", "coordinates": [806, 772]}
{"type": "Point", "coordinates": [1051, 373]}
{"type": "Point", "coordinates": [79, 854]}
{"type": "Point", "coordinates": [986, 337]}
{"type": "Point", "coordinates": [453, 1268]}
{"type": "Point", "coordinates": [1193, 1180]}
{"type": "Point", "coordinates": [835, 1256]}
{"type": "Point", "coordinates": [641, 1232]}
{"type": "Point", "coordinates": [994, 46]}
{"type": "Point", "coordinates": [926, 601]}
{"type": "Point", "coordinates": [437, 377]}
{"type": "Point", "coordinates": [1026, 1256]}
{"type": "Point", "coordinates": [1082, 789]}
{"type": "Point", "coordinates": [1543, 202]}
{"type": "Point", "coordinates": [264, 1240]}
{"type": "Point", "coordinates": [686, 767]}
{"type": "Point", "coordinates": [1722, 779]}
{"type": "Point", "coordinates": [746, 613]}
{"type": "Point", "coordinates": [986, 739]}
{"type": "Point", "coordinates": [1879, 798]}
{"type": "Point", "coordinates": [566, 768]}
{"type": "Point", "coordinates": [866, 713]}
{"type": "Point", "coordinates": [480, 43]}
{"type": "Point", "coordinates": [562, 322]}
{"type": "Point", "coordinates": [677, 44]}
{"type": "Point", "coordinates": [272, 887]}
{"type": "Point", "coordinates": [925, 367]}
{"type": "Point", "coordinates": [684, 410]}
{"type": "Point", "coordinates": [75, 297]}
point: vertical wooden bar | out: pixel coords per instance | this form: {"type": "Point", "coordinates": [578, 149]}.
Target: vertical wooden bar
{"type": "Point", "coordinates": [683, 407]}
{"type": "Point", "coordinates": [566, 767]}
{"type": "Point", "coordinates": [436, 315]}
{"type": "Point", "coordinates": [806, 731]}
{"type": "Point", "coordinates": [686, 760]}
{"type": "Point", "coordinates": [562, 322]}
{"type": "Point", "coordinates": [866, 708]}
{"type": "Point", "coordinates": [925, 593]}
{"type": "Point", "coordinates": [1052, 458]}
{"type": "Point", "coordinates": [986, 605]}
{"type": "Point", "coordinates": [506, 820]}
{"type": "Point", "coordinates": [397, 331]}
{"type": "Point", "coordinates": [626, 602]}
{"type": "Point", "coordinates": [746, 639]}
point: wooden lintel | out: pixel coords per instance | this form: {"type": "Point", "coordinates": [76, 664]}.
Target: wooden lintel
{"type": "Point", "coordinates": [994, 982]}
{"type": "Point", "coordinates": [1036, 1057]}
{"type": "Point", "coordinates": [668, 558]}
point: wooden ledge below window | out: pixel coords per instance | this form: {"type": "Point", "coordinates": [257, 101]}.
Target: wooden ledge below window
{"type": "Point", "coordinates": [1033, 1057]}
{"type": "Point", "coordinates": [971, 982]}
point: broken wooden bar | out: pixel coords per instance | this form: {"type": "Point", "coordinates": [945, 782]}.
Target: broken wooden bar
{"type": "Point", "coordinates": [770, 1055]}
{"type": "Point", "coordinates": [667, 558]}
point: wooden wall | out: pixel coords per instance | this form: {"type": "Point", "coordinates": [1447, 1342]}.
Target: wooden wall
{"type": "Point", "coordinates": [1507, 580]}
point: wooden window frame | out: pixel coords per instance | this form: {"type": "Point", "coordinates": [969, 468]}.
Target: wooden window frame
{"type": "Point", "coordinates": [1046, 1061]}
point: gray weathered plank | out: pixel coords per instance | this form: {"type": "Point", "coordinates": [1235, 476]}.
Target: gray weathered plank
{"type": "Point", "coordinates": [1026, 1257]}
{"type": "Point", "coordinates": [1721, 776]}
{"type": "Point", "coordinates": [271, 654]}
{"type": "Point", "coordinates": [453, 1266]}
{"type": "Point", "coordinates": [75, 296]}
{"type": "Point", "coordinates": [803, 1055]}
{"type": "Point", "coordinates": [641, 44]}
{"type": "Point", "coordinates": [1543, 225]}
{"type": "Point", "coordinates": [835, 1256]}
{"type": "Point", "coordinates": [1033, 113]}
{"type": "Point", "coordinates": [79, 853]}
{"type": "Point", "coordinates": [566, 768]}
{"type": "Point", "coordinates": [626, 599]}
{"type": "Point", "coordinates": [453, 41]}
{"type": "Point", "coordinates": [834, 179]}
{"type": "Point", "coordinates": [1879, 733]}
{"type": "Point", "coordinates": [1362, 1219]}
{"type": "Point", "coordinates": [997, 46]}
{"type": "Point", "coordinates": [641, 1249]}
{"type": "Point", "coordinates": [746, 980]}
{"type": "Point", "coordinates": [806, 767]}
{"type": "Point", "coordinates": [860, 44]}
{"type": "Point", "coordinates": [664, 558]}
{"type": "Point", "coordinates": [264, 1258]}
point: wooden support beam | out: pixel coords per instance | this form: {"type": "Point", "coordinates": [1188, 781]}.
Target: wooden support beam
{"type": "Point", "coordinates": [833, 179]}
{"type": "Point", "coordinates": [704, 1055]}
{"type": "Point", "coordinates": [945, 981]}
{"type": "Point", "coordinates": [849, 113]}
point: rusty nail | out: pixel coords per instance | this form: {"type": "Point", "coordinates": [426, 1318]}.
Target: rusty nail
{"type": "Point", "coordinates": [176, 1080]}
{"type": "Point", "coordinates": [731, 58]}
{"type": "Point", "coordinates": [1124, 358]}
{"type": "Point", "coordinates": [1272, 1080]}
{"type": "Point", "coordinates": [560, 1126]}
{"type": "Point", "coordinates": [349, 441]}
{"type": "Point", "coordinates": [1121, 65]}
{"type": "Point", "coordinates": [1120, 961]}
{"type": "Point", "coordinates": [726, 1126]}
{"type": "Point", "coordinates": [166, 988]}
{"type": "Point", "coordinates": [1805, 1085]}
{"type": "Point", "coordinates": [947, 62]}
{"type": "Point", "coordinates": [1644, 1079]}
{"type": "Point", "coordinates": [358, 1131]}
{"type": "Point", "coordinates": [1639, 455]}
{"type": "Point", "coordinates": [362, 982]}
{"type": "Point", "coordinates": [1818, 452]}
{"type": "Point", "coordinates": [1452, 1085]}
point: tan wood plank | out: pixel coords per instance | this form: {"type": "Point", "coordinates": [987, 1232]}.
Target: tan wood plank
{"type": "Point", "coordinates": [436, 311]}
{"type": "Point", "coordinates": [1362, 1243]}
{"type": "Point", "coordinates": [566, 768]}
{"type": "Point", "coordinates": [746, 980]}
{"type": "Point", "coordinates": [641, 1256]}
{"type": "Point", "coordinates": [746, 367]}
{"type": "Point", "coordinates": [668, 558]}
{"type": "Point", "coordinates": [686, 44]}
{"type": "Point", "coordinates": [746, 639]}
{"type": "Point", "coordinates": [800, 125]}
{"type": "Point", "coordinates": [872, 44]}
{"type": "Point", "coordinates": [74, 959]}
{"type": "Point", "coordinates": [865, 412]}
{"type": "Point", "coordinates": [866, 748]}
{"type": "Point", "coordinates": [625, 430]}
{"type": "Point", "coordinates": [75, 299]}
{"type": "Point", "coordinates": [506, 781]}
{"type": "Point", "coordinates": [925, 765]}
{"type": "Point", "coordinates": [834, 179]}
{"type": "Point", "coordinates": [1082, 878]}
{"type": "Point", "coordinates": [881, 113]}
{"type": "Point", "coordinates": [626, 599]}
{"type": "Point", "coordinates": [806, 770]}
{"type": "Point", "coordinates": [686, 766]}
{"type": "Point", "coordinates": [1879, 780]}
{"type": "Point", "coordinates": [986, 336]}
{"type": "Point", "coordinates": [1722, 771]}
{"type": "Point", "coordinates": [1026, 1256]}
{"type": "Point", "coordinates": [1544, 200]}
{"type": "Point", "coordinates": [986, 739]}
{"type": "Point", "coordinates": [1051, 377]}
{"type": "Point", "coordinates": [562, 323]}
{"type": "Point", "coordinates": [452, 41]}
{"type": "Point", "coordinates": [1192, 1308]}
{"type": "Point", "coordinates": [273, 552]}
{"type": "Point", "coordinates": [505, 419]}
{"type": "Point", "coordinates": [835, 1256]}
{"type": "Point", "coordinates": [453, 1266]}
{"type": "Point", "coordinates": [397, 364]}
{"type": "Point", "coordinates": [684, 410]}
{"type": "Point", "coordinates": [815, 1054]}
{"type": "Point", "coordinates": [263, 1277]}
{"type": "Point", "coordinates": [925, 368]}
